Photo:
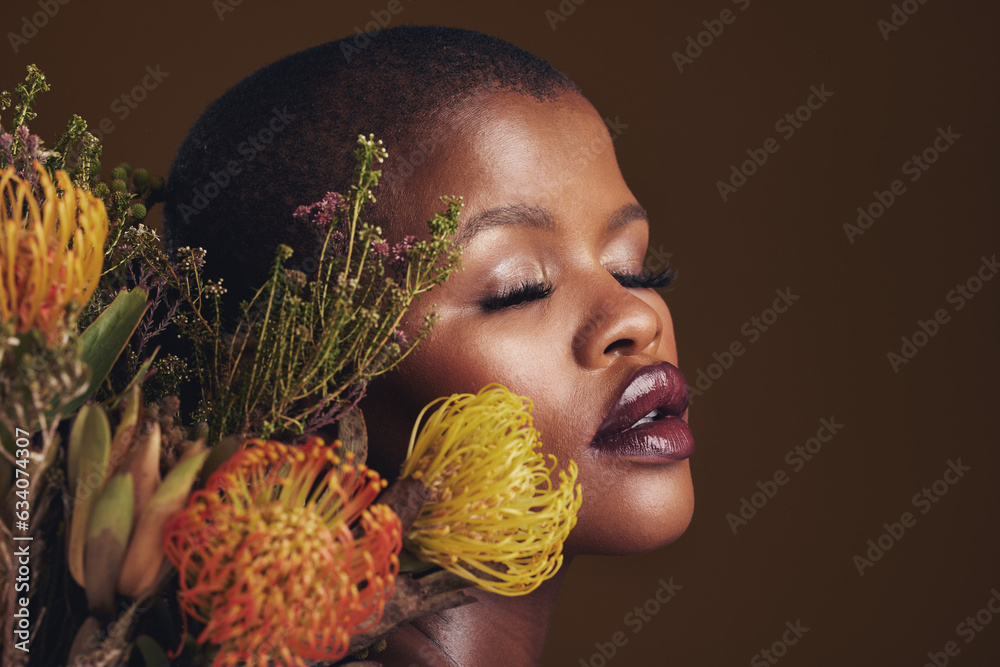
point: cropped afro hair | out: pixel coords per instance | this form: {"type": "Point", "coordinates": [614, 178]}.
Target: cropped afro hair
{"type": "Point", "coordinates": [284, 136]}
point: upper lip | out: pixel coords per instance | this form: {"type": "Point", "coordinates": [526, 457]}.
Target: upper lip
{"type": "Point", "coordinates": [661, 387]}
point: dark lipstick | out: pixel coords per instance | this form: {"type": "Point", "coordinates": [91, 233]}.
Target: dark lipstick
{"type": "Point", "coordinates": [647, 421]}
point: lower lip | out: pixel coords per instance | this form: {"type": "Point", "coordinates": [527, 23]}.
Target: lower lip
{"type": "Point", "coordinates": [663, 440]}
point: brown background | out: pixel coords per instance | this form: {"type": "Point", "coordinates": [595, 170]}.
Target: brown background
{"type": "Point", "coordinates": [825, 357]}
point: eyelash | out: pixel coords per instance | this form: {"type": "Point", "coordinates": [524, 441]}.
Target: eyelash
{"type": "Point", "coordinates": [521, 295]}
{"type": "Point", "coordinates": [648, 279]}
{"type": "Point", "coordinates": [527, 292]}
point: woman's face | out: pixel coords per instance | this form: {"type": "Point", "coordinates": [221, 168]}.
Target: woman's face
{"type": "Point", "coordinates": [567, 223]}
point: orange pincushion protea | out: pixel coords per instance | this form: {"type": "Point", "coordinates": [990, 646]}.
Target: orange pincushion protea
{"type": "Point", "coordinates": [267, 558]}
{"type": "Point", "coordinates": [51, 251]}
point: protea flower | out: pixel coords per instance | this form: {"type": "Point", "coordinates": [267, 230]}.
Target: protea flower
{"type": "Point", "coordinates": [51, 252]}
{"type": "Point", "coordinates": [119, 505]}
{"type": "Point", "coordinates": [493, 514]}
{"type": "Point", "coordinates": [268, 560]}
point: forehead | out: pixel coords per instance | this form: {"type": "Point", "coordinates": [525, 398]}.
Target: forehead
{"type": "Point", "coordinates": [507, 149]}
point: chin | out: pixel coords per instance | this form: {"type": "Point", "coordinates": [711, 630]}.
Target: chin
{"type": "Point", "coordinates": [648, 510]}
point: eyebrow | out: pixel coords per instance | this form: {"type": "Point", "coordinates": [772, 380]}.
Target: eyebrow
{"type": "Point", "coordinates": [537, 217]}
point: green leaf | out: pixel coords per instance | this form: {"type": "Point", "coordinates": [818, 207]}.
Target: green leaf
{"type": "Point", "coordinates": [90, 438]}
{"type": "Point", "coordinates": [113, 510]}
{"type": "Point", "coordinates": [220, 453]}
{"type": "Point", "coordinates": [408, 562]}
{"type": "Point", "coordinates": [107, 336]}
{"type": "Point", "coordinates": [152, 653]}
{"type": "Point", "coordinates": [176, 486]}
{"type": "Point", "coordinates": [89, 449]}
{"type": "Point", "coordinates": [107, 539]}
{"type": "Point", "coordinates": [137, 378]}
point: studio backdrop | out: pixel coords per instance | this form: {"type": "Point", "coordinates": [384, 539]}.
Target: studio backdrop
{"type": "Point", "coordinates": [823, 176]}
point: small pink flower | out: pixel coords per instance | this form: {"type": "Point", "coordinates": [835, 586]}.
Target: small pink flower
{"type": "Point", "coordinates": [380, 249]}
{"type": "Point", "coordinates": [398, 258]}
{"type": "Point", "coordinates": [322, 213]}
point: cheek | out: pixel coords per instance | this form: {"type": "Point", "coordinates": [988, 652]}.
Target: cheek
{"type": "Point", "coordinates": [531, 361]}
{"type": "Point", "coordinates": [461, 358]}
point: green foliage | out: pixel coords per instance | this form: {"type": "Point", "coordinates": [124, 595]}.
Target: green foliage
{"type": "Point", "coordinates": [103, 341]}
{"type": "Point", "coordinates": [76, 150]}
{"type": "Point", "coordinates": [305, 347]}
{"type": "Point", "coordinates": [44, 380]}
{"type": "Point", "coordinates": [23, 97]}
{"type": "Point", "coordinates": [299, 357]}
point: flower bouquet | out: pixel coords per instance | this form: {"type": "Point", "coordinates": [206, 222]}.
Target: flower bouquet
{"type": "Point", "coordinates": [189, 506]}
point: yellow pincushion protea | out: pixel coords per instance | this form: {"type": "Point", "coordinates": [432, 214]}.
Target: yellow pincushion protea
{"type": "Point", "coordinates": [51, 253]}
{"type": "Point", "coordinates": [493, 514]}
{"type": "Point", "coordinates": [283, 556]}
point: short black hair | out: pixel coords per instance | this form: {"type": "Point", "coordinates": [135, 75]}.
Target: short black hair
{"type": "Point", "coordinates": [284, 136]}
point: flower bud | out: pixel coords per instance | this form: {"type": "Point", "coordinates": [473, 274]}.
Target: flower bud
{"type": "Point", "coordinates": [140, 177]}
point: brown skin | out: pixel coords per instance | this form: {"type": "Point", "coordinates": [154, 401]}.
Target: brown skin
{"type": "Point", "coordinates": [573, 352]}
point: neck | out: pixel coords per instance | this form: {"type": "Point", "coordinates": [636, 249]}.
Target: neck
{"type": "Point", "coordinates": [494, 630]}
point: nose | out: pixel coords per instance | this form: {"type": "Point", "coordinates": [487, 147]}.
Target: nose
{"type": "Point", "coordinates": [616, 322]}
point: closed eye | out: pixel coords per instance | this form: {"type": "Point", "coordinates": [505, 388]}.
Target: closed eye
{"type": "Point", "coordinates": [647, 279]}
{"type": "Point", "coordinates": [527, 291]}
{"type": "Point", "coordinates": [521, 295]}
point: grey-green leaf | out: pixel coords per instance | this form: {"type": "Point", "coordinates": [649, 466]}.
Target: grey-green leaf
{"type": "Point", "coordinates": [107, 336]}
{"type": "Point", "coordinates": [351, 431]}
